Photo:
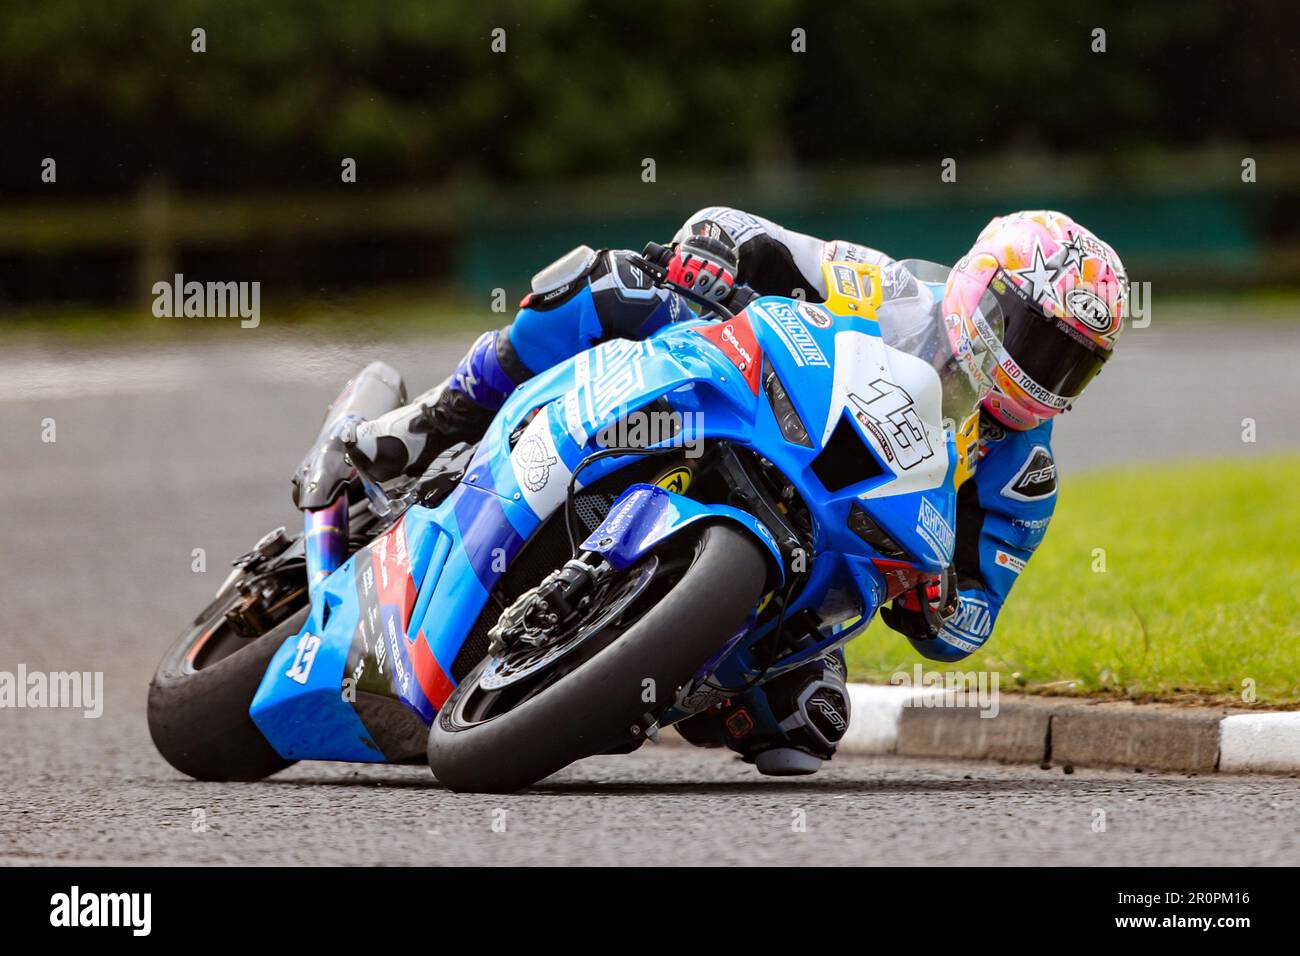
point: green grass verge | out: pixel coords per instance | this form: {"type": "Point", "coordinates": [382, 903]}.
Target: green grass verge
{"type": "Point", "coordinates": [1200, 591]}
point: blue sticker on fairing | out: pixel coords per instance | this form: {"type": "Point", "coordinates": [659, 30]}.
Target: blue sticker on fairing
{"type": "Point", "coordinates": [645, 515]}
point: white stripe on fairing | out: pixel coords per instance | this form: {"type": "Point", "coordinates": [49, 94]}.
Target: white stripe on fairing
{"type": "Point", "coordinates": [1266, 741]}
{"type": "Point", "coordinates": [555, 488]}
{"type": "Point", "coordinates": [860, 359]}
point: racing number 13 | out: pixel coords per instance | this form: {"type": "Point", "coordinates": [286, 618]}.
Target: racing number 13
{"type": "Point", "coordinates": [892, 410]}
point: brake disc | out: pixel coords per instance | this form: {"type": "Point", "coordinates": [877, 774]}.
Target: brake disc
{"type": "Point", "coordinates": [521, 662]}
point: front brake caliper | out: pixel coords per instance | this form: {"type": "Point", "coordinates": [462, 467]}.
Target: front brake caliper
{"type": "Point", "coordinates": [541, 612]}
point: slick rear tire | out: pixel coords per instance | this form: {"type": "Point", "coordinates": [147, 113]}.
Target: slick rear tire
{"type": "Point", "coordinates": [601, 698]}
{"type": "Point", "coordinates": [198, 718]}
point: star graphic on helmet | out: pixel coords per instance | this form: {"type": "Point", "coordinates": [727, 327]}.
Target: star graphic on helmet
{"type": "Point", "coordinates": [1073, 253]}
{"type": "Point", "coordinates": [1041, 279]}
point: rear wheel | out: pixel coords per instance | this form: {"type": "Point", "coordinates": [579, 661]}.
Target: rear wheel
{"type": "Point", "coordinates": [516, 719]}
{"type": "Point", "coordinates": [201, 692]}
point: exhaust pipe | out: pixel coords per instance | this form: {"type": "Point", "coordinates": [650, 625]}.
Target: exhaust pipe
{"type": "Point", "coordinates": [325, 537]}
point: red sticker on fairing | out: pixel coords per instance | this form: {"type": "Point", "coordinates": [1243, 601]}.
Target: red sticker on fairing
{"type": "Point", "coordinates": [433, 680]}
{"type": "Point", "coordinates": [900, 576]}
{"type": "Point", "coordinates": [735, 338]}
{"type": "Point", "coordinates": [392, 564]}
{"type": "Point", "coordinates": [383, 660]}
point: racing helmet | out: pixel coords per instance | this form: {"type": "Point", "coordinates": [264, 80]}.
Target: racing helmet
{"type": "Point", "coordinates": [1061, 296]}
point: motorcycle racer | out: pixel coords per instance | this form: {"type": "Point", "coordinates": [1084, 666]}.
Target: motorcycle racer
{"type": "Point", "coordinates": [1062, 293]}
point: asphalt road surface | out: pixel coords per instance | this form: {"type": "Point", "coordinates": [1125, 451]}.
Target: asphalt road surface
{"type": "Point", "coordinates": [160, 451]}
{"type": "Point", "coordinates": [98, 795]}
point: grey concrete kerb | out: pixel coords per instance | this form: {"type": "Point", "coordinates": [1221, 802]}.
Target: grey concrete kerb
{"type": "Point", "coordinates": [1022, 729]}
{"type": "Point", "coordinates": [1016, 728]}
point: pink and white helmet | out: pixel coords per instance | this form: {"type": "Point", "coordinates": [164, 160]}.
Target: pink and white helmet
{"type": "Point", "coordinates": [1061, 295]}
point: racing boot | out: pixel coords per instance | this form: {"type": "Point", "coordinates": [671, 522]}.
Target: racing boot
{"type": "Point", "coordinates": [407, 439]}
{"type": "Point", "coordinates": [787, 726]}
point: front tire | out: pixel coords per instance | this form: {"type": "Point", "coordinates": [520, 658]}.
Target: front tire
{"type": "Point", "coordinates": [602, 697]}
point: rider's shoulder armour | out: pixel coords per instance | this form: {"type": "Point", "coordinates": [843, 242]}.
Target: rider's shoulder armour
{"type": "Point", "coordinates": [561, 279]}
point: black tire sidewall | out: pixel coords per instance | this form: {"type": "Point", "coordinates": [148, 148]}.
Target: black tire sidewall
{"type": "Point", "coordinates": [579, 714]}
{"type": "Point", "coordinates": [199, 720]}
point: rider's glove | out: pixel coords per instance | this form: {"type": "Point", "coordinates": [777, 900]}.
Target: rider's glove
{"type": "Point", "coordinates": [907, 616]}
{"type": "Point", "coordinates": [706, 262]}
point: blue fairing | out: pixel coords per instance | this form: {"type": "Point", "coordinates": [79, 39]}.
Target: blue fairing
{"type": "Point", "coordinates": [645, 516]}
{"type": "Point", "coordinates": [367, 673]}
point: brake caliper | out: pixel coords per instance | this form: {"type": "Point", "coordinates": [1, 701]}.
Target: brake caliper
{"type": "Point", "coordinates": [543, 612]}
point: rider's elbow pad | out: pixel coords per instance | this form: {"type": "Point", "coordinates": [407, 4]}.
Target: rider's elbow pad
{"type": "Point", "coordinates": [937, 649]}
{"type": "Point", "coordinates": [928, 645]}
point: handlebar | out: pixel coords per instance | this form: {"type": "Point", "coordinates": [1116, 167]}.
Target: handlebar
{"type": "Point", "coordinates": [650, 261]}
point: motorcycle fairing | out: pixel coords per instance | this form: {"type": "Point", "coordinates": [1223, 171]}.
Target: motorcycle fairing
{"type": "Point", "coordinates": [324, 470]}
{"type": "Point", "coordinates": [363, 659]}
{"type": "Point", "coordinates": [383, 649]}
{"type": "Point", "coordinates": [645, 516]}
{"type": "Point", "coordinates": [892, 400]}
{"type": "Point", "coordinates": [343, 687]}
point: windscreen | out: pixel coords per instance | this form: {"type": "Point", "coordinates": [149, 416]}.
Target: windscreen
{"type": "Point", "coordinates": [912, 321]}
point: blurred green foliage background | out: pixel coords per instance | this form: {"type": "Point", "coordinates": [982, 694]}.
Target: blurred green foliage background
{"type": "Point", "coordinates": [476, 167]}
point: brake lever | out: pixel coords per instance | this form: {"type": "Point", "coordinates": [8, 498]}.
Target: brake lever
{"type": "Point", "coordinates": [948, 591]}
{"type": "Point", "coordinates": [932, 618]}
{"type": "Point", "coordinates": [380, 502]}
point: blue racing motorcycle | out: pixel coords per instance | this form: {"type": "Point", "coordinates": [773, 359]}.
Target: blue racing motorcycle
{"type": "Point", "coordinates": [645, 532]}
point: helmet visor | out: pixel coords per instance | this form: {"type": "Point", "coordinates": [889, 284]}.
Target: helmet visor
{"type": "Point", "coordinates": [1054, 355]}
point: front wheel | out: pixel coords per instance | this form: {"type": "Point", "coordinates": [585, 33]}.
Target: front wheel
{"type": "Point", "coordinates": [659, 625]}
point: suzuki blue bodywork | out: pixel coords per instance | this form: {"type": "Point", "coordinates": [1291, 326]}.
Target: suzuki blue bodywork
{"type": "Point", "coordinates": [372, 665]}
